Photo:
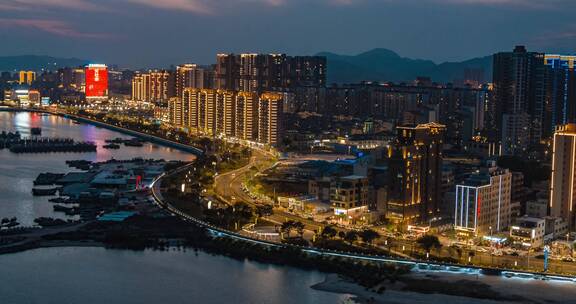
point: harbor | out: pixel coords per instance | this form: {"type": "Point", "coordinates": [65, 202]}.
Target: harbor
{"type": "Point", "coordinates": [19, 172]}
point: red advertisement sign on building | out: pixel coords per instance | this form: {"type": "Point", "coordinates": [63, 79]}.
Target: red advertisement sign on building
{"type": "Point", "coordinates": [96, 80]}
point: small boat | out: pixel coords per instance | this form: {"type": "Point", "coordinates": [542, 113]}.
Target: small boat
{"type": "Point", "coordinates": [111, 146]}
{"type": "Point", "coordinates": [36, 131]}
{"type": "Point", "coordinates": [133, 143]}
{"type": "Point", "coordinates": [76, 122]}
{"type": "Point", "coordinates": [116, 140]}
{"type": "Point", "coordinates": [44, 192]}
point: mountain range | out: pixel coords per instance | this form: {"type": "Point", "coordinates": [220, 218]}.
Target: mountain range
{"type": "Point", "coordinates": [37, 63]}
{"type": "Point", "coordinates": [385, 65]}
{"type": "Point", "coordinates": [375, 65]}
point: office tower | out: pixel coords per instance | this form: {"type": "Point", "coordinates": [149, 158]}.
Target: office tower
{"type": "Point", "coordinates": [562, 182]}
{"type": "Point", "coordinates": [482, 202]}
{"type": "Point", "coordinates": [270, 110]}
{"type": "Point", "coordinates": [26, 77]}
{"type": "Point", "coordinates": [415, 168]}
{"type": "Point", "coordinates": [560, 103]}
{"type": "Point", "coordinates": [188, 76]}
{"type": "Point", "coordinates": [519, 96]}
{"type": "Point", "coordinates": [96, 76]}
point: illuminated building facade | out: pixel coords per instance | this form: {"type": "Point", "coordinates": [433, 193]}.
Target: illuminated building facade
{"type": "Point", "coordinates": [188, 76]}
{"type": "Point", "coordinates": [560, 103]}
{"type": "Point", "coordinates": [482, 202]}
{"type": "Point", "coordinates": [96, 76]}
{"type": "Point", "coordinates": [153, 86]}
{"type": "Point", "coordinates": [270, 118]}
{"type": "Point", "coordinates": [229, 113]}
{"type": "Point", "coordinates": [26, 77]}
{"type": "Point", "coordinates": [563, 181]}
{"type": "Point", "coordinates": [415, 166]}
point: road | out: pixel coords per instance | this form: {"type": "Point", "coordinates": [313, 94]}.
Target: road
{"type": "Point", "coordinates": [228, 186]}
{"type": "Point", "coordinates": [434, 266]}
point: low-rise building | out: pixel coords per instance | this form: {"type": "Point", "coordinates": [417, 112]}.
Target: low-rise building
{"type": "Point", "coordinates": [529, 231]}
{"type": "Point", "coordinates": [349, 195]}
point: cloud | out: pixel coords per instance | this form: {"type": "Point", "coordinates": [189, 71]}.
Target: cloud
{"type": "Point", "coordinates": [517, 3]}
{"type": "Point", "coordinates": [196, 6]}
{"type": "Point", "coordinates": [30, 5]}
{"type": "Point", "coordinates": [202, 6]}
{"type": "Point", "coordinates": [55, 27]}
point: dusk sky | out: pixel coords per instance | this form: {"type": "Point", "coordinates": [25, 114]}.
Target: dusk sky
{"type": "Point", "coordinates": [137, 33]}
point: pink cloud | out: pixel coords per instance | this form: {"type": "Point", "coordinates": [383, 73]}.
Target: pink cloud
{"type": "Point", "coordinates": [196, 6]}
{"type": "Point", "coordinates": [55, 27]}
{"type": "Point", "coordinates": [34, 4]}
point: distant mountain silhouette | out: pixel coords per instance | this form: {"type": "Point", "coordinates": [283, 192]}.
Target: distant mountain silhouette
{"type": "Point", "coordinates": [386, 65]}
{"type": "Point", "coordinates": [37, 63]}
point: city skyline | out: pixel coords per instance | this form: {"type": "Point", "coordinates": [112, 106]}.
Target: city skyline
{"type": "Point", "coordinates": [137, 33]}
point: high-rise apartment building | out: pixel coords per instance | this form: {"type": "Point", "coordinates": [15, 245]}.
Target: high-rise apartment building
{"type": "Point", "coordinates": [560, 103]}
{"type": "Point", "coordinates": [189, 76]}
{"type": "Point", "coordinates": [519, 90]}
{"type": "Point", "coordinates": [268, 72]}
{"type": "Point", "coordinates": [415, 168]}
{"type": "Point", "coordinates": [270, 118]}
{"type": "Point", "coordinates": [562, 183]}
{"type": "Point", "coordinates": [161, 85]}
{"type": "Point", "coordinates": [26, 77]}
{"type": "Point", "coordinates": [482, 202]}
{"type": "Point", "coordinates": [153, 86]}
{"type": "Point", "coordinates": [243, 115]}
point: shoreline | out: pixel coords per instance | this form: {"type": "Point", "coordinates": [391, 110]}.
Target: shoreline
{"type": "Point", "coordinates": [148, 137]}
{"type": "Point", "coordinates": [457, 289]}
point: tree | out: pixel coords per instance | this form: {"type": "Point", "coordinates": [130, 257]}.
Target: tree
{"type": "Point", "coordinates": [369, 235]}
{"type": "Point", "coordinates": [329, 232]}
{"type": "Point", "coordinates": [286, 227]}
{"type": "Point", "coordinates": [342, 234]}
{"type": "Point", "coordinates": [299, 228]}
{"type": "Point", "coordinates": [428, 242]}
{"type": "Point", "coordinates": [351, 236]}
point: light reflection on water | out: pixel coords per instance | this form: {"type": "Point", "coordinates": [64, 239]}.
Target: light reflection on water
{"type": "Point", "coordinates": [96, 275]}
{"type": "Point", "coordinates": [18, 171]}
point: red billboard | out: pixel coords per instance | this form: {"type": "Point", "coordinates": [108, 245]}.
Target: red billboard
{"type": "Point", "coordinates": [96, 80]}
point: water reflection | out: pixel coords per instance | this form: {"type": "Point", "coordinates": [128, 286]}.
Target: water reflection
{"type": "Point", "coordinates": [18, 171]}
